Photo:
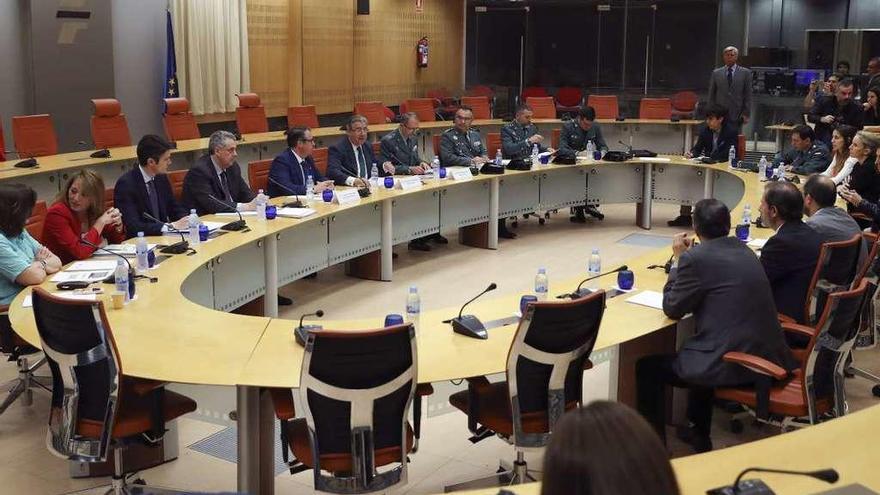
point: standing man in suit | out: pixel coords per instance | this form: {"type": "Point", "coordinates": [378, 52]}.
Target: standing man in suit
{"type": "Point", "coordinates": [833, 224]}
{"type": "Point", "coordinates": [350, 160]}
{"type": "Point", "coordinates": [520, 135]}
{"type": "Point", "coordinates": [217, 174]}
{"type": "Point", "coordinates": [731, 87]}
{"type": "Point", "coordinates": [789, 256]}
{"type": "Point", "coordinates": [873, 72]}
{"type": "Point", "coordinates": [291, 167]}
{"type": "Point", "coordinates": [721, 282]}
{"type": "Point", "coordinates": [146, 189]}
{"type": "Point", "coordinates": [832, 110]}
{"type": "Point", "coordinates": [573, 139]}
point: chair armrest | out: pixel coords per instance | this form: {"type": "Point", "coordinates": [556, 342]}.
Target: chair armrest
{"type": "Point", "coordinates": [588, 365]}
{"type": "Point", "coordinates": [282, 400]}
{"type": "Point", "coordinates": [784, 319]}
{"type": "Point", "coordinates": [756, 364]}
{"type": "Point", "coordinates": [870, 237]}
{"type": "Point", "coordinates": [797, 329]}
{"type": "Point", "coordinates": [142, 386]}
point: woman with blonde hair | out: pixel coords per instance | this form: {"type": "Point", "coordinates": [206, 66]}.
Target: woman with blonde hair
{"type": "Point", "coordinates": [862, 190]}
{"type": "Point", "coordinates": [77, 215]}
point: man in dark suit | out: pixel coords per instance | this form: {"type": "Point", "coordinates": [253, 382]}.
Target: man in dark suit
{"type": "Point", "coordinates": [290, 169]}
{"type": "Point", "coordinates": [350, 160]}
{"type": "Point", "coordinates": [217, 174]}
{"type": "Point", "coordinates": [832, 110]}
{"type": "Point", "coordinates": [789, 257]}
{"type": "Point", "coordinates": [833, 224]}
{"type": "Point", "coordinates": [146, 189]}
{"type": "Point", "coordinates": [721, 282]}
{"type": "Point", "coordinates": [731, 87]}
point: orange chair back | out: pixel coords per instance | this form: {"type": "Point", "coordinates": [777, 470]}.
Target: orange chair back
{"type": "Point", "coordinates": [534, 92]}
{"type": "Point", "coordinates": [740, 146]}
{"type": "Point", "coordinates": [542, 106]}
{"type": "Point", "coordinates": [304, 116]}
{"type": "Point", "coordinates": [258, 175]}
{"type": "Point", "coordinates": [34, 135]}
{"type": "Point", "coordinates": [377, 149]}
{"type": "Point", "coordinates": [175, 177]}
{"type": "Point", "coordinates": [178, 121]}
{"type": "Point", "coordinates": [480, 105]}
{"type": "Point", "coordinates": [423, 107]}
{"type": "Point", "coordinates": [554, 138]}
{"type": "Point", "coordinates": [373, 111]}
{"type": "Point", "coordinates": [655, 108]}
{"type": "Point", "coordinates": [604, 105]}
{"type": "Point", "coordinates": [250, 115]}
{"type": "Point", "coordinates": [568, 96]}
{"type": "Point", "coordinates": [685, 101]}
{"type": "Point", "coordinates": [481, 90]}
{"type": "Point", "coordinates": [109, 126]}
{"type": "Point", "coordinates": [109, 200]}
{"type": "Point", "coordinates": [34, 224]}
{"type": "Point", "coordinates": [435, 141]}
{"type": "Point", "coordinates": [493, 143]}
{"type": "Point", "coordinates": [437, 94]}
{"type": "Point", "coordinates": [2, 145]}
{"type": "Point", "coordinates": [320, 157]}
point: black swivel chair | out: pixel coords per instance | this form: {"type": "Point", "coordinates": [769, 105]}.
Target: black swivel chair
{"type": "Point", "coordinates": [867, 323]}
{"type": "Point", "coordinates": [19, 351]}
{"type": "Point", "coordinates": [97, 410]}
{"type": "Point", "coordinates": [356, 389]}
{"type": "Point", "coordinates": [545, 368]}
{"type": "Point", "coordinates": [836, 270]}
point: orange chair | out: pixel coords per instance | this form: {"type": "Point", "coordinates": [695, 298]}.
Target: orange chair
{"type": "Point", "coordinates": [373, 111]}
{"type": "Point", "coordinates": [444, 103]}
{"type": "Point", "coordinates": [604, 105]}
{"type": "Point", "coordinates": [493, 143]}
{"type": "Point", "coordinates": [390, 116]}
{"type": "Point", "coordinates": [34, 135]}
{"type": "Point", "coordinates": [569, 99]}
{"type": "Point", "coordinates": [533, 92]}
{"type": "Point", "coordinates": [480, 105]}
{"type": "Point", "coordinates": [435, 140]}
{"type": "Point", "coordinates": [109, 200]}
{"type": "Point", "coordinates": [423, 107]}
{"type": "Point", "coordinates": [250, 115]}
{"type": "Point", "coordinates": [555, 137]}
{"type": "Point", "coordinates": [304, 116]}
{"type": "Point", "coordinates": [655, 109]}
{"type": "Point", "coordinates": [2, 145]}
{"type": "Point", "coordinates": [35, 223]}
{"type": "Point", "coordinates": [175, 177]}
{"type": "Point", "coordinates": [377, 150]}
{"type": "Point", "coordinates": [319, 155]}
{"type": "Point", "coordinates": [741, 147]}
{"type": "Point", "coordinates": [543, 107]}
{"type": "Point", "coordinates": [109, 126]}
{"type": "Point", "coordinates": [258, 174]}
{"type": "Point", "coordinates": [178, 121]}
{"type": "Point", "coordinates": [481, 90]}
{"type": "Point", "coordinates": [684, 103]}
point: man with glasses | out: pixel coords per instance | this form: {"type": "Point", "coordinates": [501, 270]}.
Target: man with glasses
{"type": "Point", "coordinates": [350, 160]}
{"type": "Point", "coordinates": [290, 169]}
{"type": "Point", "coordinates": [217, 174]}
{"type": "Point", "coordinates": [520, 135]}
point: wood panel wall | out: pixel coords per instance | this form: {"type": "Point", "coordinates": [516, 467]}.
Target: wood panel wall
{"type": "Point", "coordinates": [268, 33]}
{"type": "Point", "coordinates": [328, 59]}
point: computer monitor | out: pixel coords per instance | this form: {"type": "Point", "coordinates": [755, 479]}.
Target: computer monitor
{"type": "Point", "coordinates": [803, 77]}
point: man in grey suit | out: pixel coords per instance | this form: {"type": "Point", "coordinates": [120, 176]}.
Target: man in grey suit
{"type": "Point", "coordinates": [723, 284]}
{"type": "Point", "coordinates": [731, 87]}
{"type": "Point", "coordinates": [832, 223]}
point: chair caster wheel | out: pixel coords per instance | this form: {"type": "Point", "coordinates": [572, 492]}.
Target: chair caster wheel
{"type": "Point", "coordinates": [139, 481]}
{"type": "Point", "coordinates": [876, 390]}
{"type": "Point", "coordinates": [547, 214]}
{"type": "Point", "coordinates": [514, 224]}
{"type": "Point", "coordinates": [541, 221]}
{"type": "Point", "coordinates": [736, 426]}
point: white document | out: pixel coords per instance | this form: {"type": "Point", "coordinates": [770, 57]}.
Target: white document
{"type": "Point", "coordinates": [212, 226]}
{"type": "Point", "coordinates": [654, 159]}
{"type": "Point", "coordinates": [123, 249]}
{"type": "Point", "coordinates": [344, 197]}
{"type": "Point", "coordinates": [649, 298]}
{"type": "Point", "coordinates": [757, 243]}
{"type": "Point", "coordinates": [29, 301]}
{"type": "Point", "coordinates": [461, 174]}
{"type": "Point", "coordinates": [250, 213]}
{"type": "Point", "coordinates": [408, 183]}
{"type": "Point", "coordinates": [92, 265]}
{"type": "Point", "coordinates": [295, 212]}
{"type": "Point", "coordinates": [85, 276]}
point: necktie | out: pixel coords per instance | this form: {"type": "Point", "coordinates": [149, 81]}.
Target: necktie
{"type": "Point", "coordinates": [729, 77]}
{"type": "Point", "coordinates": [154, 199]}
{"type": "Point", "coordinates": [362, 165]}
{"type": "Point", "coordinates": [224, 183]}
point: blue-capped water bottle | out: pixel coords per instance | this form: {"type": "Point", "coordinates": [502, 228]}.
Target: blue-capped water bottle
{"type": "Point", "coordinates": [594, 268]}
{"type": "Point", "coordinates": [193, 224]}
{"type": "Point", "coordinates": [731, 157]}
{"type": "Point", "coordinates": [140, 249]}
{"type": "Point", "coordinates": [120, 277]}
{"type": "Point", "coordinates": [542, 284]}
{"type": "Point", "coordinates": [413, 305]}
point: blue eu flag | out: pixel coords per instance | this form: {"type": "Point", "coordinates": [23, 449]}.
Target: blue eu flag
{"type": "Point", "coordinates": [171, 87]}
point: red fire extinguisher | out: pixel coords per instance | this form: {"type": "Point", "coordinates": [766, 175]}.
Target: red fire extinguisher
{"type": "Point", "coordinates": [422, 53]}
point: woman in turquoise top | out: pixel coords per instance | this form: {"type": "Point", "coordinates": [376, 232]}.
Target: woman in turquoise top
{"type": "Point", "coordinates": [23, 261]}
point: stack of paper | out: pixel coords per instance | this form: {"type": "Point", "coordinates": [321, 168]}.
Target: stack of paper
{"type": "Point", "coordinates": [649, 298]}
{"type": "Point", "coordinates": [295, 212]}
{"type": "Point", "coordinates": [122, 249]}
{"type": "Point", "coordinates": [86, 271]}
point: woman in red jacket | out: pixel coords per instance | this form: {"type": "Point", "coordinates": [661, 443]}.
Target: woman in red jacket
{"type": "Point", "coordinates": [77, 215]}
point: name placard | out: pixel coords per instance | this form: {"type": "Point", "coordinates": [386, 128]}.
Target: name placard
{"type": "Point", "coordinates": [408, 183]}
{"type": "Point", "coordinates": [344, 197]}
{"type": "Point", "coordinates": [462, 174]}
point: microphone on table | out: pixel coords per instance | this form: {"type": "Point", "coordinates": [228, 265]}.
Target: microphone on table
{"type": "Point", "coordinates": [757, 487]}
{"type": "Point", "coordinates": [296, 203]}
{"type": "Point", "coordinates": [132, 274]}
{"type": "Point", "coordinates": [239, 224]}
{"type": "Point", "coordinates": [301, 332]}
{"type": "Point", "coordinates": [577, 292]}
{"type": "Point", "coordinates": [627, 146]}
{"type": "Point", "coordinates": [176, 248]}
{"type": "Point", "coordinates": [667, 267]}
{"type": "Point", "coordinates": [24, 162]}
{"type": "Point", "coordinates": [470, 325]}
{"type": "Point", "coordinates": [102, 153]}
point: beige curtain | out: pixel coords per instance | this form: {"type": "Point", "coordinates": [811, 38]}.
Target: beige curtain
{"type": "Point", "coordinates": [211, 46]}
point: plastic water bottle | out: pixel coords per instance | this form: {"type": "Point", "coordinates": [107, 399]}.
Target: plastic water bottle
{"type": "Point", "coordinates": [310, 188]}
{"type": "Point", "coordinates": [594, 268]}
{"type": "Point", "coordinates": [121, 278]}
{"type": "Point", "coordinates": [141, 250]}
{"type": "Point", "coordinates": [742, 230]}
{"type": "Point", "coordinates": [262, 199]}
{"type": "Point", "coordinates": [762, 169]}
{"type": "Point", "coordinates": [747, 215]}
{"type": "Point", "coordinates": [542, 285]}
{"type": "Point", "coordinates": [435, 163]}
{"type": "Point", "coordinates": [374, 177]}
{"type": "Point", "coordinates": [731, 156]}
{"type": "Point", "coordinates": [499, 160]}
{"type": "Point", "coordinates": [193, 223]}
{"type": "Point", "coordinates": [590, 149]}
{"type": "Point", "coordinates": [413, 305]}
{"type": "Point", "coordinates": [535, 153]}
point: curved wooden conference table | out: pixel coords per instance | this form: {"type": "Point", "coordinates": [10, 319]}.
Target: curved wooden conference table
{"type": "Point", "coordinates": [191, 339]}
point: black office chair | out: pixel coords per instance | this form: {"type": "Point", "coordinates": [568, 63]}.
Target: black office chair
{"type": "Point", "coordinates": [97, 410]}
{"type": "Point", "coordinates": [23, 354]}
{"type": "Point", "coordinates": [356, 389]}
{"type": "Point", "coordinates": [836, 270]}
{"type": "Point", "coordinates": [545, 368]}
{"type": "Point", "coordinates": [867, 323]}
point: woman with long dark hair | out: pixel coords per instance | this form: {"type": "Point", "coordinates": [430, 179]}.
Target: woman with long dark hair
{"type": "Point", "coordinates": [841, 163]}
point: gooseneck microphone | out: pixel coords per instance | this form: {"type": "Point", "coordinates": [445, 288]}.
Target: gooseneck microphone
{"type": "Point", "coordinates": [239, 224]}
{"type": "Point", "coordinates": [176, 248]}
{"type": "Point", "coordinates": [132, 274]}
{"type": "Point", "coordinates": [470, 325]}
{"type": "Point", "coordinates": [758, 487]}
{"type": "Point", "coordinates": [296, 203]}
{"type": "Point", "coordinates": [301, 332]}
{"type": "Point", "coordinates": [577, 292]}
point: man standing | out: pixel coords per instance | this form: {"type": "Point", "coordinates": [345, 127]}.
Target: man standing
{"type": "Point", "coordinates": [731, 87]}
{"type": "Point", "coordinates": [350, 160]}
{"type": "Point", "coordinates": [520, 135]}
{"type": "Point", "coordinates": [573, 139]}
{"type": "Point", "coordinates": [806, 155]}
{"type": "Point", "coordinates": [873, 71]}
{"type": "Point", "coordinates": [833, 110]}
{"type": "Point", "coordinates": [290, 169]}
{"type": "Point", "coordinates": [721, 282]}
{"type": "Point", "coordinates": [217, 174]}
{"type": "Point", "coordinates": [146, 189]}
{"type": "Point", "coordinates": [833, 224]}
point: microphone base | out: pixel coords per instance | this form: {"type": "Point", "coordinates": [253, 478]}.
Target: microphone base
{"type": "Point", "coordinates": [234, 226]}
{"type": "Point", "coordinates": [582, 292]}
{"type": "Point", "coordinates": [301, 333]}
{"type": "Point", "coordinates": [746, 487]}
{"type": "Point", "coordinates": [293, 204]}
{"type": "Point", "coordinates": [470, 326]}
{"type": "Point", "coordinates": [176, 248]}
